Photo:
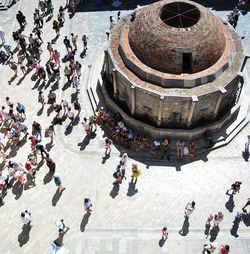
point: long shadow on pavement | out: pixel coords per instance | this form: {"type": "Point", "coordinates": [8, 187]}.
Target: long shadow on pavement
{"type": "Point", "coordinates": [24, 236]}
{"type": "Point", "coordinates": [230, 203]}
{"type": "Point", "coordinates": [185, 227]}
{"type": "Point", "coordinates": [84, 222]}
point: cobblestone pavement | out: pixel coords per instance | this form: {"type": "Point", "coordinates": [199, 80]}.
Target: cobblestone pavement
{"type": "Point", "coordinates": [126, 220]}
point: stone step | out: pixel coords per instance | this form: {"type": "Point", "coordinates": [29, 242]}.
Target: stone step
{"type": "Point", "coordinates": [5, 4]}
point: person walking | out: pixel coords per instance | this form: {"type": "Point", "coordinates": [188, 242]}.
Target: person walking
{"type": "Point", "coordinates": [218, 218]}
{"type": "Point", "coordinates": [78, 69]}
{"type": "Point", "coordinates": [13, 65]}
{"type": "Point", "coordinates": [71, 116]}
{"type": "Point", "coordinates": [40, 147]}
{"type": "Point", "coordinates": [118, 175]}
{"type": "Point", "coordinates": [41, 98]}
{"type": "Point", "coordinates": [208, 248]}
{"type": "Point", "coordinates": [87, 126]}
{"type": "Point", "coordinates": [56, 57]}
{"type": "Point", "coordinates": [189, 209]}
{"type": "Point", "coordinates": [26, 218]}
{"type": "Point", "coordinates": [58, 183]}
{"type": "Point", "coordinates": [107, 146]}
{"type": "Point", "coordinates": [66, 42]}
{"type": "Point", "coordinates": [56, 27]}
{"type": "Point", "coordinates": [50, 163]}
{"type": "Point", "coordinates": [235, 187]}
{"type": "Point", "coordinates": [87, 204]}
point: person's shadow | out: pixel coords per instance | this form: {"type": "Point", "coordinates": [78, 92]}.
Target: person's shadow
{"type": "Point", "coordinates": [230, 203]}
{"type": "Point", "coordinates": [48, 177]}
{"type": "Point", "coordinates": [85, 221]}
{"type": "Point", "coordinates": [105, 158]}
{"type": "Point", "coordinates": [56, 197]}
{"type": "Point", "coordinates": [246, 219]}
{"type": "Point", "coordinates": [59, 241]}
{"type": "Point", "coordinates": [162, 241]}
{"type": "Point", "coordinates": [17, 189]}
{"type": "Point", "coordinates": [213, 233]}
{"type": "Point", "coordinates": [131, 189]}
{"type": "Point", "coordinates": [84, 143]}
{"type": "Point", "coordinates": [234, 229]}
{"type": "Point", "coordinates": [185, 227]}
{"type": "Point", "coordinates": [115, 190]}
{"type": "Point", "coordinates": [24, 236]}
{"type": "Point", "coordinates": [245, 155]}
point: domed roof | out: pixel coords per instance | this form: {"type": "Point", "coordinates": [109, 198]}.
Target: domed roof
{"type": "Point", "coordinates": [177, 37]}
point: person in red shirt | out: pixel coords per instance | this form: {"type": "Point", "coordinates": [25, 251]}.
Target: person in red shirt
{"type": "Point", "coordinates": [224, 249]}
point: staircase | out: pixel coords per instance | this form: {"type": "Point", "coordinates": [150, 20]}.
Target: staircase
{"type": "Point", "coordinates": [5, 4]}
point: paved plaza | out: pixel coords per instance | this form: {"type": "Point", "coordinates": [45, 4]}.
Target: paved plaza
{"type": "Point", "coordinates": [124, 221]}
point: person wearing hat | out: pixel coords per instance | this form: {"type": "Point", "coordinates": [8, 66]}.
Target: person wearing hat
{"type": "Point", "coordinates": [61, 226]}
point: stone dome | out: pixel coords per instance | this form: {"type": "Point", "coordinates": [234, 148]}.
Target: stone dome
{"type": "Point", "coordinates": [177, 37]}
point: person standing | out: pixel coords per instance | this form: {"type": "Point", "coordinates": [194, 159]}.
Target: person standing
{"type": "Point", "coordinates": [87, 204]}
{"type": "Point", "coordinates": [189, 209]}
{"type": "Point", "coordinates": [51, 133]}
{"type": "Point", "coordinates": [164, 233]}
{"type": "Point", "coordinates": [85, 42]}
{"type": "Point", "coordinates": [74, 40]}
{"type": "Point", "coordinates": [58, 183]}
{"type": "Point", "coordinates": [26, 218]}
{"type": "Point", "coordinates": [67, 73]}
{"type": "Point", "coordinates": [179, 148]}
{"type": "Point", "coordinates": [2, 153]}
{"type": "Point", "coordinates": [78, 69]}
{"type": "Point", "coordinates": [192, 148]}
{"type": "Point", "coordinates": [247, 143]}
{"type": "Point", "coordinates": [136, 172]}
{"type": "Point", "coordinates": [41, 98]}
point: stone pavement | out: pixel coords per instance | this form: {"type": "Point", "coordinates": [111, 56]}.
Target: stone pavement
{"type": "Point", "coordinates": [126, 220]}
